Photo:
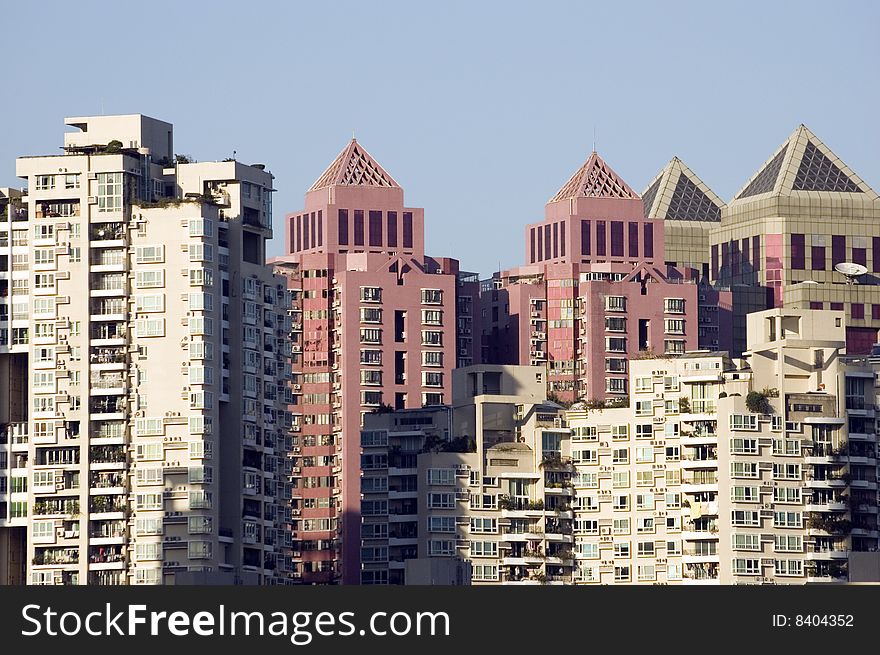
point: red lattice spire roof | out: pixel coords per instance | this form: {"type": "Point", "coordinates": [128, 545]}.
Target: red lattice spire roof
{"type": "Point", "coordinates": [595, 179]}
{"type": "Point", "coordinates": [354, 166]}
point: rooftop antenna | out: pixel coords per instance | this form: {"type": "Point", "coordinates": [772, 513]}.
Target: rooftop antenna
{"type": "Point", "coordinates": [233, 154]}
{"type": "Point", "coordinates": [594, 137]}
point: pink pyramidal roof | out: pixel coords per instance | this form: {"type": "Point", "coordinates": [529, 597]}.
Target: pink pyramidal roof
{"type": "Point", "coordinates": [595, 179]}
{"type": "Point", "coordinates": [354, 166]}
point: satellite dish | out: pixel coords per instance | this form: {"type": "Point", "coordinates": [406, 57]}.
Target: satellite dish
{"type": "Point", "coordinates": [851, 270]}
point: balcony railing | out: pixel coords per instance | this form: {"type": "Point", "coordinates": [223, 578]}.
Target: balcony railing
{"type": "Point", "coordinates": [108, 356]}
{"type": "Point", "coordinates": [107, 232]}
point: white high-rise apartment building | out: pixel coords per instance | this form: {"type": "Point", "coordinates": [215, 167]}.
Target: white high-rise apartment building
{"type": "Point", "coordinates": [147, 450]}
{"type": "Point", "coordinates": [756, 471]}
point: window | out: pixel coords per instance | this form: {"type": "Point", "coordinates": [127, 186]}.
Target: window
{"type": "Point", "coordinates": [371, 294]}
{"type": "Point", "coordinates": [786, 471]}
{"type": "Point", "coordinates": [615, 324]}
{"type": "Point", "coordinates": [615, 303]}
{"type": "Point", "coordinates": [150, 327]}
{"type": "Point", "coordinates": [44, 182]}
{"type": "Point", "coordinates": [371, 335]}
{"type": "Point", "coordinates": [201, 252]}
{"type": "Point", "coordinates": [744, 469]}
{"type": "Point", "coordinates": [442, 500]}
{"type": "Point", "coordinates": [150, 254]}
{"type": "Point", "coordinates": [787, 519]}
{"type": "Point", "coordinates": [674, 346]}
{"type": "Point", "coordinates": [484, 549]}
{"type": "Point", "coordinates": [432, 358]}
{"type": "Point", "coordinates": [746, 566]}
{"type": "Point", "coordinates": [484, 526]}
{"type": "Point", "coordinates": [745, 518]}
{"type": "Point", "coordinates": [645, 454]}
{"type": "Point", "coordinates": [743, 494]}
{"type": "Point", "coordinates": [742, 541]}
{"type": "Point", "coordinates": [432, 338]}
{"type": "Point", "coordinates": [150, 302]}
{"type": "Point", "coordinates": [149, 501]}
{"type": "Point", "coordinates": [791, 495]}
{"type": "Point", "coordinates": [432, 297]}
{"type": "Point", "coordinates": [44, 529]}
{"type": "Point", "coordinates": [109, 192]}
{"type": "Point", "coordinates": [788, 567]}
{"type": "Point", "coordinates": [484, 572]}
{"type": "Point", "coordinates": [201, 227]}
{"type": "Point", "coordinates": [201, 302]}
{"type": "Point", "coordinates": [432, 317]}
{"type": "Point", "coordinates": [371, 377]}
{"type": "Point", "coordinates": [148, 427]}
{"type": "Point", "coordinates": [673, 305]}
{"type": "Point", "coordinates": [620, 456]}
{"type": "Point", "coordinates": [620, 479]}
{"type": "Point", "coordinates": [587, 456]}
{"type": "Point", "coordinates": [740, 446]}
{"type": "Point", "coordinates": [441, 547]}
{"type": "Point", "coordinates": [788, 543]}
{"type": "Point", "coordinates": [615, 385]}
{"type": "Point", "coordinates": [201, 277]}
{"type": "Point", "coordinates": [674, 325]}
{"type": "Point", "coordinates": [441, 476]}
{"type": "Point", "coordinates": [149, 279]}
{"type": "Point", "coordinates": [645, 549]}
{"type": "Point", "coordinates": [371, 356]}
{"type": "Point", "coordinates": [431, 379]}
{"type": "Point", "coordinates": [615, 344]}
{"type": "Point", "coordinates": [371, 315]}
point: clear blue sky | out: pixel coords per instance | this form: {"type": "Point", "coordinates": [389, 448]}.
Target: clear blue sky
{"type": "Point", "coordinates": [480, 110]}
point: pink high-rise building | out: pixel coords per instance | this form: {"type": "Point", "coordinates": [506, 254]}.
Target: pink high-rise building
{"type": "Point", "coordinates": [377, 325]}
{"type": "Point", "coordinates": [595, 292]}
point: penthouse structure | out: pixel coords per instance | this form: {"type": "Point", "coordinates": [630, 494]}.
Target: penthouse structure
{"type": "Point", "coordinates": [597, 291]}
{"type": "Point", "coordinates": [143, 429]}
{"type": "Point", "coordinates": [799, 216]}
{"type": "Point", "coordinates": [377, 324]}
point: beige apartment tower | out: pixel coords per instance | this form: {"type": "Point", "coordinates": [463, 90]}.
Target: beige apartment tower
{"type": "Point", "coordinates": [147, 450]}
{"type": "Point", "coordinates": [755, 471]}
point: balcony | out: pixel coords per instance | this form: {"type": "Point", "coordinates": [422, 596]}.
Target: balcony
{"type": "Point", "coordinates": [56, 507]}
{"type": "Point", "coordinates": [107, 383]}
{"type": "Point", "coordinates": [107, 235]}
{"type": "Point", "coordinates": [107, 408]}
{"type": "Point", "coordinates": [107, 457]}
{"type": "Point", "coordinates": [55, 556]}
{"type": "Point", "coordinates": [14, 433]}
{"type": "Point", "coordinates": [108, 355]}
{"type": "Point", "coordinates": [108, 505]}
